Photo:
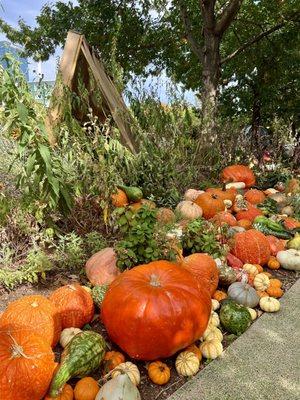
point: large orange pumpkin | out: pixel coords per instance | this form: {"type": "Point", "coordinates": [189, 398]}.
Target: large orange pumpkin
{"type": "Point", "coordinates": [250, 214]}
{"type": "Point", "coordinates": [251, 247]}
{"type": "Point", "coordinates": [75, 305]}
{"type": "Point", "coordinates": [26, 364]}
{"type": "Point", "coordinates": [101, 268]}
{"type": "Point", "coordinates": [255, 196]}
{"type": "Point", "coordinates": [154, 310]}
{"type": "Point", "coordinates": [210, 203]}
{"type": "Point", "coordinates": [224, 194]}
{"type": "Point", "coordinates": [238, 173]}
{"type": "Point", "coordinates": [204, 268]}
{"type": "Point", "coordinates": [276, 244]}
{"type": "Point", "coordinates": [224, 217]}
{"type": "Point", "coordinates": [34, 313]}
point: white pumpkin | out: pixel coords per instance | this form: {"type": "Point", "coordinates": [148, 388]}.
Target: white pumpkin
{"type": "Point", "coordinates": [289, 259]}
{"type": "Point", "coordinates": [118, 388]}
{"type": "Point", "coordinates": [215, 304]}
{"type": "Point", "coordinates": [269, 304]}
{"type": "Point", "coordinates": [192, 194]}
{"type": "Point", "coordinates": [188, 210]}
{"type": "Point", "coordinates": [187, 363]}
{"type": "Point", "coordinates": [250, 268]}
{"type": "Point", "coordinates": [252, 312]}
{"type": "Point", "coordinates": [261, 282]}
{"type": "Point", "coordinates": [67, 335]}
{"type": "Point", "coordinates": [214, 319]}
{"type": "Point", "coordinates": [129, 369]}
{"type": "Point", "coordinates": [236, 185]}
{"type": "Point", "coordinates": [211, 348]}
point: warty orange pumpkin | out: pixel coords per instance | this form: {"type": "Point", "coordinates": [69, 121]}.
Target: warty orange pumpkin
{"type": "Point", "coordinates": [251, 247]}
{"type": "Point", "coordinates": [238, 173]}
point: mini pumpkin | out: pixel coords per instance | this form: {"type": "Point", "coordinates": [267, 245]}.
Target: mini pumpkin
{"type": "Point", "coordinates": [86, 389]}
{"type": "Point", "coordinates": [261, 282]}
{"type": "Point", "coordinates": [269, 304]}
{"type": "Point", "coordinates": [119, 199]}
{"type": "Point", "coordinates": [187, 363]}
{"type": "Point", "coordinates": [219, 295]}
{"type": "Point", "coordinates": [255, 196]}
{"type": "Point", "coordinates": [214, 334]}
{"type": "Point", "coordinates": [130, 369]}
{"type": "Point", "coordinates": [112, 359]}
{"type": "Point", "coordinates": [67, 335]}
{"type": "Point", "coordinates": [214, 319]}
{"type": "Point", "coordinates": [252, 312]}
{"type": "Point", "coordinates": [268, 274]}
{"type": "Point", "coordinates": [211, 348]}
{"type": "Point", "coordinates": [188, 210]}
{"type": "Point", "coordinates": [66, 394]}
{"type": "Point", "coordinates": [244, 294]}
{"type": "Point", "coordinates": [289, 259]}
{"type": "Point", "coordinates": [259, 268]}
{"type": "Point", "coordinates": [275, 282]}
{"type": "Point", "coordinates": [273, 263]}
{"type": "Point", "coordinates": [159, 372]}
{"type": "Point", "coordinates": [262, 293]}
{"type": "Point", "coordinates": [244, 223]}
{"type": "Point", "coordinates": [274, 291]}
{"type": "Point", "coordinates": [250, 268]}
{"type": "Point", "coordinates": [194, 349]}
{"type": "Point", "coordinates": [215, 304]}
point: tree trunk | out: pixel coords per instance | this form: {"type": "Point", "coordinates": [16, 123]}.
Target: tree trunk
{"type": "Point", "coordinates": [256, 119]}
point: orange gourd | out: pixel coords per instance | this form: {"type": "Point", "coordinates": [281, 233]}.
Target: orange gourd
{"type": "Point", "coordinates": [194, 349]}
{"type": "Point", "coordinates": [238, 173]}
{"type": "Point", "coordinates": [26, 364]}
{"type": "Point", "coordinates": [274, 291]}
{"type": "Point", "coordinates": [160, 301]}
{"type": "Point", "coordinates": [273, 263]}
{"type": "Point", "coordinates": [255, 196]}
{"type": "Point", "coordinates": [219, 295]}
{"type": "Point", "coordinates": [224, 217]}
{"type": "Point", "coordinates": [159, 372]}
{"type": "Point", "coordinates": [210, 204]}
{"type": "Point", "coordinates": [275, 282]}
{"type": "Point", "coordinates": [251, 247]}
{"type": "Point", "coordinates": [204, 268]}
{"type": "Point", "coordinates": [262, 293]}
{"type": "Point", "coordinates": [75, 305]}
{"type": "Point", "coordinates": [244, 223]}
{"type": "Point", "coordinates": [86, 389]}
{"type": "Point", "coordinates": [119, 199]}
{"type": "Point", "coordinates": [34, 313]}
{"type": "Point", "coordinates": [66, 394]}
{"type": "Point", "coordinates": [112, 359]}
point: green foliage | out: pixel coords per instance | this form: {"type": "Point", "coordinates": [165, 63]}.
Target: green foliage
{"type": "Point", "coordinates": [144, 241]}
{"type": "Point", "coordinates": [295, 203]}
{"type": "Point", "coordinates": [200, 236]}
{"type": "Point", "coordinates": [268, 207]}
{"type": "Point", "coordinates": [268, 179]}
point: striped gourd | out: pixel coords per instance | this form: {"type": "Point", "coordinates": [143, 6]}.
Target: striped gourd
{"type": "Point", "coordinates": [80, 357]}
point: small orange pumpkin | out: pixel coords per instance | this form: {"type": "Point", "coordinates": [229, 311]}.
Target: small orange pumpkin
{"type": "Point", "coordinates": [251, 279]}
{"type": "Point", "coordinates": [224, 217]}
{"type": "Point", "coordinates": [210, 203]}
{"type": "Point", "coordinates": [159, 372]}
{"type": "Point", "coordinates": [219, 295]}
{"type": "Point", "coordinates": [119, 199]}
{"type": "Point", "coordinates": [86, 389]}
{"type": "Point", "coordinates": [273, 263]}
{"type": "Point", "coordinates": [66, 394]}
{"type": "Point", "coordinates": [192, 348]}
{"type": "Point", "coordinates": [259, 268]}
{"type": "Point", "coordinates": [262, 293]}
{"type": "Point", "coordinates": [112, 359]}
{"type": "Point", "coordinates": [275, 282]}
{"type": "Point", "coordinates": [274, 291]}
{"type": "Point", "coordinates": [255, 196]}
{"type": "Point", "coordinates": [244, 223]}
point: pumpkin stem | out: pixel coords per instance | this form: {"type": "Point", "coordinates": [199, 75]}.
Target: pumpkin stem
{"type": "Point", "coordinates": [154, 280]}
{"type": "Point", "coordinates": [17, 350]}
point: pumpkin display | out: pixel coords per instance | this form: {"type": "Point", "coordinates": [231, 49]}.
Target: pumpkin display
{"type": "Point", "coordinates": [255, 196]}
{"type": "Point", "coordinates": [210, 204]}
{"type": "Point", "coordinates": [130, 369]}
{"type": "Point", "coordinates": [269, 304]}
{"type": "Point", "coordinates": [204, 268]}
{"type": "Point", "coordinates": [243, 294]}
{"type": "Point", "coordinates": [187, 363]}
{"type": "Point", "coordinates": [188, 210]}
{"type": "Point", "coordinates": [215, 304]}
{"type": "Point", "coordinates": [244, 223]}
{"type": "Point", "coordinates": [23, 356]}
{"type": "Point", "coordinates": [214, 333]}
{"type": "Point", "coordinates": [249, 214]}
{"type": "Point", "coordinates": [112, 359]}
{"type": "Point", "coordinates": [261, 282]}
{"type": "Point", "coordinates": [194, 349]}
{"type": "Point", "coordinates": [101, 268]}
{"type": "Point", "coordinates": [235, 318]}
{"type": "Point", "coordinates": [165, 216]}
{"type": "Point", "coordinates": [211, 348]}
{"type": "Point", "coordinates": [66, 394]}
{"type": "Point", "coordinates": [192, 194]}
{"type": "Point", "coordinates": [67, 335]}
{"type": "Point", "coordinates": [86, 389]}
{"type": "Point", "coordinates": [273, 263]}
{"type": "Point", "coordinates": [289, 259]}
{"type": "Point", "coordinates": [119, 199]}
{"type": "Point", "coordinates": [75, 305]}
{"type": "Point", "coordinates": [276, 244]}
{"type": "Point", "coordinates": [238, 173]}
{"type": "Point", "coordinates": [219, 295]}
{"type": "Point", "coordinates": [163, 307]}
{"type": "Point", "coordinates": [34, 313]}
{"type": "Point", "coordinates": [118, 388]}
{"type": "Point", "coordinates": [251, 247]}
{"type": "Point", "coordinates": [224, 217]}
{"type": "Point", "coordinates": [250, 268]}
{"type": "Point", "coordinates": [159, 372]}
{"type": "Point", "coordinates": [252, 312]}
{"type": "Point", "coordinates": [223, 193]}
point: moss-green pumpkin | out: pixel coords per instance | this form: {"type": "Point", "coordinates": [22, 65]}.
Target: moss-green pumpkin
{"type": "Point", "coordinates": [234, 317]}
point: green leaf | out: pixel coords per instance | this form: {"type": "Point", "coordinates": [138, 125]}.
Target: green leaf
{"type": "Point", "coordinates": [22, 111]}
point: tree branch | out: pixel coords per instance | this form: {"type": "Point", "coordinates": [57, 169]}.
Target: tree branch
{"type": "Point", "coordinates": [227, 16]}
{"type": "Point", "coordinates": [208, 14]}
{"type": "Point", "coordinates": [253, 40]}
{"type": "Point", "coordinates": [196, 48]}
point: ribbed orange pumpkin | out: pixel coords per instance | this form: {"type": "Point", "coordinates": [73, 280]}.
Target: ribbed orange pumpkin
{"type": "Point", "coordinates": [224, 217]}
{"type": "Point", "coordinates": [66, 394]}
{"type": "Point", "coordinates": [37, 314]}
{"type": "Point", "coordinates": [204, 268]}
{"type": "Point", "coordinates": [219, 295]}
{"type": "Point", "coordinates": [273, 263]}
{"type": "Point", "coordinates": [86, 389]}
{"type": "Point", "coordinates": [224, 194]}
{"type": "Point", "coordinates": [26, 364]}
{"type": "Point", "coordinates": [113, 359]}
{"type": "Point", "coordinates": [276, 244]}
{"type": "Point", "coordinates": [255, 196]}
{"type": "Point", "coordinates": [244, 223]}
{"type": "Point", "coordinates": [119, 199]}
{"type": "Point", "coordinates": [251, 247]}
{"type": "Point", "coordinates": [75, 305]}
{"type": "Point", "coordinates": [211, 204]}
{"type": "Point", "coordinates": [163, 308]}
{"type": "Point", "coordinates": [274, 291]}
{"type": "Point", "coordinates": [238, 173]}
{"type": "Point", "coordinates": [250, 214]}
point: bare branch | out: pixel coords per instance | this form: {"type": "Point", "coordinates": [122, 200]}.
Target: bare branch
{"type": "Point", "coordinates": [253, 40]}
{"type": "Point", "coordinates": [196, 48]}
{"type": "Point", "coordinates": [227, 16]}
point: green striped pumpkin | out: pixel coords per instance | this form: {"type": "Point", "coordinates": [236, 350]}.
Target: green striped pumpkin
{"type": "Point", "coordinates": [80, 357]}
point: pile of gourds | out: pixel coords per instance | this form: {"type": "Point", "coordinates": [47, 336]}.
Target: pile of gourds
{"type": "Point", "coordinates": [154, 311]}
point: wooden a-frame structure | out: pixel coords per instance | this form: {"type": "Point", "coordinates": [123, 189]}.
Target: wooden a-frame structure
{"type": "Point", "coordinates": [77, 55]}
